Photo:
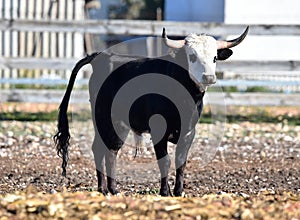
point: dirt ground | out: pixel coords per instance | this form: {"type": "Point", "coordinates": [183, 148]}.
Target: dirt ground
{"type": "Point", "coordinates": [250, 161]}
{"type": "Point", "coordinates": [250, 158]}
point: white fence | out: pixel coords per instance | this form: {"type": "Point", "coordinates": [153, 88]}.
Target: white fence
{"type": "Point", "coordinates": [24, 43]}
{"type": "Point", "coordinates": [18, 68]}
{"type": "Point", "coordinates": [41, 40]}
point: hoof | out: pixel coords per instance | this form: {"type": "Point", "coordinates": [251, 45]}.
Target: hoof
{"type": "Point", "coordinates": [104, 191]}
{"type": "Point", "coordinates": [178, 193]}
{"type": "Point", "coordinates": [113, 191]}
{"type": "Point", "coordinates": [165, 192]}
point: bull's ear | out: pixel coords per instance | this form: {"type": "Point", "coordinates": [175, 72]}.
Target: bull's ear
{"type": "Point", "coordinates": [223, 54]}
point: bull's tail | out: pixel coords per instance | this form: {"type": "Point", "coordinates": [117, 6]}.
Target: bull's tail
{"type": "Point", "coordinates": [62, 137]}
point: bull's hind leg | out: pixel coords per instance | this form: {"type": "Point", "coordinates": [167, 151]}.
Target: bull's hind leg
{"type": "Point", "coordinates": [99, 162]}
{"type": "Point", "coordinates": [110, 150]}
{"type": "Point", "coordinates": [164, 163]}
{"type": "Point", "coordinates": [110, 162]}
{"type": "Point", "coordinates": [182, 150]}
{"type": "Point", "coordinates": [117, 142]}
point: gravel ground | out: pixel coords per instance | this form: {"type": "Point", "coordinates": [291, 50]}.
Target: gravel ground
{"type": "Point", "coordinates": [251, 159]}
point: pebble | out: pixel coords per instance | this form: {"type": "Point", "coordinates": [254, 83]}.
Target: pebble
{"type": "Point", "coordinates": [10, 134]}
{"type": "Point", "coordinates": [53, 191]}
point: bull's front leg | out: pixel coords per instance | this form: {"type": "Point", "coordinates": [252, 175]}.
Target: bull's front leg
{"type": "Point", "coordinates": [164, 163]}
{"type": "Point", "coordinates": [182, 150]}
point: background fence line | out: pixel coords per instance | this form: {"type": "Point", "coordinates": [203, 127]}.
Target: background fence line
{"type": "Point", "coordinates": [41, 40]}
{"type": "Point", "coordinates": [144, 27]}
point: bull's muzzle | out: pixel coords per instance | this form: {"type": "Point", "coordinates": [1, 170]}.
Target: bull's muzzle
{"type": "Point", "coordinates": [209, 79]}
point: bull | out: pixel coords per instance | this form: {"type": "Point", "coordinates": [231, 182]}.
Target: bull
{"type": "Point", "coordinates": [192, 64]}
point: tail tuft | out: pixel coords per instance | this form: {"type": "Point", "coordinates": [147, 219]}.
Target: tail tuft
{"type": "Point", "coordinates": [62, 137]}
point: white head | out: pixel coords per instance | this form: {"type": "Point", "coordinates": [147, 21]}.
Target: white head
{"type": "Point", "coordinates": [202, 53]}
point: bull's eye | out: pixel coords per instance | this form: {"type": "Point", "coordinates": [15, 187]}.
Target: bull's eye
{"type": "Point", "coordinates": [215, 59]}
{"type": "Point", "coordinates": [193, 58]}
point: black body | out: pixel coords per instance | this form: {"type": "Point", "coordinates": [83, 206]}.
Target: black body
{"type": "Point", "coordinates": [117, 70]}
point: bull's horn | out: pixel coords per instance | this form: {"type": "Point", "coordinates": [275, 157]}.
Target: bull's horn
{"type": "Point", "coordinates": [176, 44]}
{"type": "Point", "coordinates": [234, 42]}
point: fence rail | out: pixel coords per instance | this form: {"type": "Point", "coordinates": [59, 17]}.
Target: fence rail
{"type": "Point", "coordinates": [134, 27]}
{"type": "Point", "coordinates": [251, 80]}
{"type": "Point", "coordinates": [212, 98]}
{"type": "Point", "coordinates": [68, 63]}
